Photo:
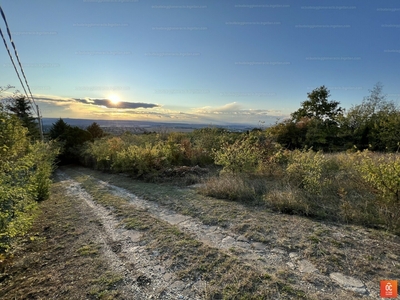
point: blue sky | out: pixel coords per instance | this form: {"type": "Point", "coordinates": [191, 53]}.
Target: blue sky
{"type": "Point", "coordinates": [200, 61]}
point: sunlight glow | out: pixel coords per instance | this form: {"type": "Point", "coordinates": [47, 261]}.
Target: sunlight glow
{"type": "Point", "coordinates": [114, 99]}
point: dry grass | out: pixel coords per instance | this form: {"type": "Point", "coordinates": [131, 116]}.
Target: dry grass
{"type": "Point", "coordinates": [60, 257]}
{"type": "Point", "coordinates": [234, 187]}
{"type": "Point", "coordinates": [227, 277]}
{"type": "Point", "coordinates": [368, 254]}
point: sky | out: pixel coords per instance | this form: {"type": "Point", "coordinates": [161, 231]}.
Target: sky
{"type": "Point", "coordinates": [209, 62]}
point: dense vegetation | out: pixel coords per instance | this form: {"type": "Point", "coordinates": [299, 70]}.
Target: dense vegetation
{"type": "Point", "coordinates": [25, 168]}
{"type": "Point", "coordinates": [297, 166]}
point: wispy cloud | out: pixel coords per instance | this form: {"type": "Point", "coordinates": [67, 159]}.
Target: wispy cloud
{"type": "Point", "coordinates": [236, 109]}
{"type": "Point", "coordinates": [95, 102]}
{"type": "Point", "coordinates": [233, 112]}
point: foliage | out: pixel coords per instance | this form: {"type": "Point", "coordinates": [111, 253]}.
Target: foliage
{"type": "Point", "coordinates": [317, 106]}
{"type": "Point", "coordinates": [102, 152]}
{"type": "Point", "coordinates": [71, 138]}
{"type": "Point", "coordinates": [141, 160]}
{"type": "Point", "coordinates": [210, 138]}
{"type": "Point", "coordinates": [308, 170]}
{"type": "Point", "coordinates": [289, 134]}
{"type": "Point", "coordinates": [361, 188]}
{"type": "Point", "coordinates": [59, 130]}
{"type": "Point", "coordinates": [321, 124]}
{"type": "Point", "coordinates": [21, 107]}
{"type": "Point", "coordinates": [142, 154]}
{"type": "Point", "coordinates": [382, 173]}
{"type": "Point", "coordinates": [314, 124]}
{"type": "Point", "coordinates": [374, 123]}
{"type": "Point", "coordinates": [95, 130]}
{"type": "Point", "coordinates": [246, 154]}
{"type": "Point", "coordinates": [24, 177]}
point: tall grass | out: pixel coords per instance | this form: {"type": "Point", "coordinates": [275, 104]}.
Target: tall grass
{"type": "Point", "coordinates": [359, 187]}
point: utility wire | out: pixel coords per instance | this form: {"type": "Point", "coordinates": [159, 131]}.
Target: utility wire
{"type": "Point", "coordinates": [13, 63]}
{"type": "Point", "coordinates": [16, 55]}
{"type": "Point", "coordinates": [34, 105]}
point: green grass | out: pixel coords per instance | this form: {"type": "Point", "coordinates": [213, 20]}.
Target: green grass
{"type": "Point", "coordinates": [135, 224]}
{"type": "Point", "coordinates": [88, 250]}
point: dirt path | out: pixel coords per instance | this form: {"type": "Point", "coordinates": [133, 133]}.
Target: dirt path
{"type": "Point", "coordinates": [105, 242]}
{"type": "Point", "coordinates": [123, 248]}
{"type": "Point", "coordinates": [257, 254]}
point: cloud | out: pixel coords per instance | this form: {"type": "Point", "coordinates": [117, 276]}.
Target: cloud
{"type": "Point", "coordinates": [235, 109]}
{"type": "Point", "coordinates": [121, 105]}
{"type": "Point", "coordinates": [86, 108]}
{"type": "Point", "coordinates": [94, 102]}
{"type": "Point", "coordinates": [227, 108]}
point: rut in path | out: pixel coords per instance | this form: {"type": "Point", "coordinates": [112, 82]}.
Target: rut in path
{"type": "Point", "coordinates": [144, 274]}
{"type": "Point", "coordinates": [254, 253]}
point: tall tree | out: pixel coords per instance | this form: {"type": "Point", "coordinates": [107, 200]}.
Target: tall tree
{"type": "Point", "coordinates": [72, 138]}
{"type": "Point", "coordinates": [59, 130]}
{"type": "Point", "coordinates": [21, 107]}
{"type": "Point", "coordinates": [95, 130]}
{"type": "Point", "coordinates": [374, 123]}
{"type": "Point", "coordinates": [318, 107]}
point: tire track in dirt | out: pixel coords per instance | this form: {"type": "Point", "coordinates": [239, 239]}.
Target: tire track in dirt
{"type": "Point", "coordinates": [144, 274]}
{"type": "Point", "coordinates": [254, 253]}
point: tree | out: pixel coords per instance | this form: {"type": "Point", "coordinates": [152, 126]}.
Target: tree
{"type": "Point", "coordinates": [95, 130]}
{"type": "Point", "coordinates": [374, 123]}
{"type": "Point", "coordinates": [315, 124]}
{"type": "Point", "coordinates": [21, 107]}
{"type": "Point", "coordinates": [72, 138]}
{"type": "Point", "coordinates": [289, 134]}
{"type": "Point", "coordinates": [317, 106]}
{"type": "Point", "coordinates": [59, 130]}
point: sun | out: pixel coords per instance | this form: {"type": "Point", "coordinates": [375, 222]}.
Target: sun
{"type": "Point", "coordinates": [114, 99]}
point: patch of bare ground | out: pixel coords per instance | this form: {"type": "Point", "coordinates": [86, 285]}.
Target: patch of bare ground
{"type": "Point", "coordinates": [303, 258]}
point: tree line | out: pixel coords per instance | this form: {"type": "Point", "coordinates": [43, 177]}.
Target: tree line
{"type": "Point", "coordinates": [322, 124]}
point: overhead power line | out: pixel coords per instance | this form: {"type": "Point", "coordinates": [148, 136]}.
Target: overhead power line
{"type": "Point", "coordinates": [16, 53]}
{"type": "Point", "coordinates": [13, 63]}
{"type": "Point", "coordinates": [34, 105]}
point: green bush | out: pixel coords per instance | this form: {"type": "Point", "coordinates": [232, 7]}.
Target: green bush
{"type": "Point", "coordinates": [140, 154]}
{"type": "Point", "coordinates": [24, 178]}
{"type": "Point", "coordinates": [101, 153]}
{"type": "Point", "coordinates": [141, 160]}
{"type": "Point", "coordinates": [382, 173]}
{"type": "Point", "coordinates": [247, 154]}
{"type": "Point", "coordinates": [310, 171]}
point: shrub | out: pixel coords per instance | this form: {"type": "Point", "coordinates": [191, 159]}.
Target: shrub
{"type": "Point", "coordinates": [245, 155]}
{"type": "Point", "coordinates": [310, 171]}
{"type": "Point", "coordinates": [44, 156]}
{"type": "Point", "coordinates": [381, 172]}
{"type": "Point", "coordinates": [101, 153]}
{"type": "Point", "coordinates": [24, 178]}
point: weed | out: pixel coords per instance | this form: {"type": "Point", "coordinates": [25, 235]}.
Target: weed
{"type": "Point", "coordinates": [135, 224]}
{"type": "Point", "coordinates": [88, 250]}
